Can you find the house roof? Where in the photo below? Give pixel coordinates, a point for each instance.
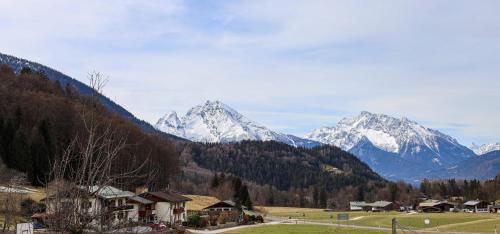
(167, 196)
(141, 200)
(226, 203)
(373, 204)
(379, 204)
(473, 202)
(357, 203)
(428, 203)
(108, 192)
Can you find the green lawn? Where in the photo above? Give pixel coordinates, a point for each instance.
(487, 226)
(300, 229)
(384, 219)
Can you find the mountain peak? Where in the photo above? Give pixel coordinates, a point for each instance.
(214, 121)
(395, 135)
(484, 148)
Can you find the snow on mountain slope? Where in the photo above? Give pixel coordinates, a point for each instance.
(216, 122)
(485, 148)
(402, 136)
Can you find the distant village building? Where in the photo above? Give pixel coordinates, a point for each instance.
(356, 205)
(374, 206)
(435, 206)
(226, 205)
(495, 208)
(476, 206)
(168, 206)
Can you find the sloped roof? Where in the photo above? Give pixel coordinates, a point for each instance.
(108, 192)
(373, 204)
(473, 202)
(226, 203)
(169, 196)
(428, 203)
(379, 204)
(357, 203)
(140, 200)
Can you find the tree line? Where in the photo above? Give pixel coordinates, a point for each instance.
(39, 118)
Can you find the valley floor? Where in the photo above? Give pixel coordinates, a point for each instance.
(439, 222)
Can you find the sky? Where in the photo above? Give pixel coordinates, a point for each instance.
(291, 65)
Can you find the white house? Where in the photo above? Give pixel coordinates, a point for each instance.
(105, 204)
(169, 206)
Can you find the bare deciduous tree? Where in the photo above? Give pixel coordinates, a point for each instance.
(87, 167)
(11, 197)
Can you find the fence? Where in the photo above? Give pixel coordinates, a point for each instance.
(401, 228)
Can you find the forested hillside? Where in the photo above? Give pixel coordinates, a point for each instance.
(284, 166)
(280, 174)
(39, 118)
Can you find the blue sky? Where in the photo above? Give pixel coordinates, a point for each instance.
(291, 65)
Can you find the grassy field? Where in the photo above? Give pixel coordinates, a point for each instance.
(300, 229)
(443, 221)
(478, 226)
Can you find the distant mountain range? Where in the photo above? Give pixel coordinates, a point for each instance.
(485, 148)
(483, 167)
(415, 149)
(396, 148)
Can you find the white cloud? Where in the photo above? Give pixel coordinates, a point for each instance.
(293, 65)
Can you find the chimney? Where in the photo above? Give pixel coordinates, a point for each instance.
(141, 190)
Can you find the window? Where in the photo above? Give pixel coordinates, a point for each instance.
(120, 202)
(86, 204)
(121, 215)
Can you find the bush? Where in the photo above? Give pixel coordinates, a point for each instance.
(193, 220)
(29, 207)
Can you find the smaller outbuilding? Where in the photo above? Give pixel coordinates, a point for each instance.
(379, 206)
(373, 206)
(476, 206)
(357, 205)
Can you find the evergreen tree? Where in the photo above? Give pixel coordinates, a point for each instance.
(315, 196)
(26, 70)
(302, 200)
(245, 197)
(270, 196)
(215, 181)
(394, 192)
(322, 197)
(360, 195)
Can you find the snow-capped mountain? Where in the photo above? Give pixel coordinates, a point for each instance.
(370, 135)
(485, 148)
(216, 122)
